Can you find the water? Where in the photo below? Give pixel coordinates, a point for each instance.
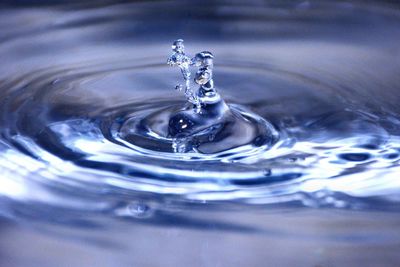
(92, 177)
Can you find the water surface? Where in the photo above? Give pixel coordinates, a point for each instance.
(324, 192)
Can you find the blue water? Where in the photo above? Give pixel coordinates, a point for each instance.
(306, 176)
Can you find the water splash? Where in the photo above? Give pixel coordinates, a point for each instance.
(286, 127)
(206, 94)
(179, 58)
(197, 125)
(87, 155)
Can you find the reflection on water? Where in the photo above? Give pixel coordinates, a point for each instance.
(86, 182)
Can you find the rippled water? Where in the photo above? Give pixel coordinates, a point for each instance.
(88, 183)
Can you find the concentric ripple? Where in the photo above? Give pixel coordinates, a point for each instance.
(319, 116)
